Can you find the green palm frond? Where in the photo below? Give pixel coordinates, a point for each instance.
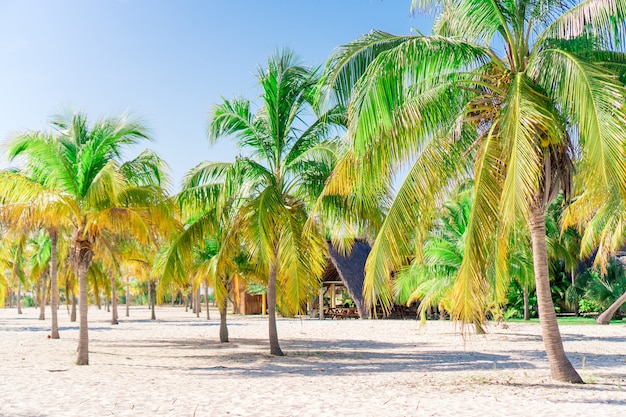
(592, 99)
(349, 63)
(602, 18)
(527, 122)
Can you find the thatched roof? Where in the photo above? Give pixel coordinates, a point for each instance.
(350, 269)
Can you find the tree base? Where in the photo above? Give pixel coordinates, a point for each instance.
(276, 351)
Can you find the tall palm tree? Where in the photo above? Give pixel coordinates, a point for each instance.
(511, 93)
(78, 167)
(266, 192)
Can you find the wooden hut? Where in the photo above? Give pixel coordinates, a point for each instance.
(345, 271)
(245, 303)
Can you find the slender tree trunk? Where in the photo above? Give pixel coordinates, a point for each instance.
(84, 261)
(605, 318)
(560, 366)
(526, 306)
(271, 308)
(54, 292)
(197, 303)
(42, 297)
(114, 300)
(128, 296)
(73, 312)
(152, 299)
(149, 295)
(19, 297)
(223, 328)
(206, 299)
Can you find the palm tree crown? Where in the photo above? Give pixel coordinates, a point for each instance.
(261, 200)
(75, 173)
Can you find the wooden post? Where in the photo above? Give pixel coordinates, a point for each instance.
(264, 304)
(321, 303)
(332, 296)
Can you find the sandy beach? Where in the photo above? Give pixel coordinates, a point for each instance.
(175, 366)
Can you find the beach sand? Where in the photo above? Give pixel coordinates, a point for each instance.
(175, 366)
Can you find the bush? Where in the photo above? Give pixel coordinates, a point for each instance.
(588, 306)
(28, 301)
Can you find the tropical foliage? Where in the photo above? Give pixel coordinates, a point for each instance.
(261, 199)
(513, 94)
(75, 172)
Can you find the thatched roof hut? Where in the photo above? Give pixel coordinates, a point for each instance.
(350, 270)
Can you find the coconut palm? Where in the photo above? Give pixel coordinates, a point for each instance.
(603, 222)
(38, 248)
(265, 193)
(431, 278)
(510, 93)
(205, 249)
(12, 258)
(78, 168)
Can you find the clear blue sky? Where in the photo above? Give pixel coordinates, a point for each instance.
(165, 62)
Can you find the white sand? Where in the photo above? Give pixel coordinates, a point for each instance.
(176, 367)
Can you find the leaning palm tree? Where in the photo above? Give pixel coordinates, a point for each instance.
(510, 93)
(287, 159)
(77, 168)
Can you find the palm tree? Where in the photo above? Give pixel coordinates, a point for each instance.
(603, 221)
(77, 167)
(39, 248)
(510, 93)
(430, 278)
(204, 250)
(265, 194)
(12, 259)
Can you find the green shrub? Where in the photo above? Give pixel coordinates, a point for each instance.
(28, 301)
(588, 306)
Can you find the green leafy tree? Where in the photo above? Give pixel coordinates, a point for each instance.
(511, 93)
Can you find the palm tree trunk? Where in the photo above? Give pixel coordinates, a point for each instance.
(54, 292)
(152, 287)
(128, 297)
(223, 327)
(114, 300)
(42, 298)
(561, 368)
(206, 299)
(73, 312)
(149, 295)
(19, 297)
(605, 318)
(526, 306)
(84, 261)
(197, 303)
(271, 308)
